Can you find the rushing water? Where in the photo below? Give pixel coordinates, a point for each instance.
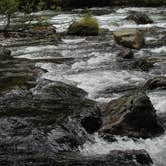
(95, 70)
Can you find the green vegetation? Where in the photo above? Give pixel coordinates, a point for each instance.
(8, 8)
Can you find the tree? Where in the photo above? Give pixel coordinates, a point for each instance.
(27, 9)
(8, 8)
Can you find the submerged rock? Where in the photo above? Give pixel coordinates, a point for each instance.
(140, 18)
(5, 53)
(131, 38)
(133, 116)
(126, 53)
(143, 64)
(155, 83)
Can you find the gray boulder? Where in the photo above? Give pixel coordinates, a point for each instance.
(131, 38)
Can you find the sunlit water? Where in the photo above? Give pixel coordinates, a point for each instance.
(95, 69)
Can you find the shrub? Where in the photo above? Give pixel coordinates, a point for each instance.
(8, 8)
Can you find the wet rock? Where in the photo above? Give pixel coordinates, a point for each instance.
(91, 124)
(107, 137)
(31, 34)
(43, 31)
(143, 64)
(132, 115)
(114, 158)
(5, 53)
(84, 27)
(126, 53)
(120, 89)
(50, 89)
(156, 83)
(16, 80)
(140, 18)
(18, 73)
(49, 119)
(162, 118)
(131, 38)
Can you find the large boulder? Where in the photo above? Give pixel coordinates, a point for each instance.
(155, 83)
(5, 53)
(131, 38)
(84, 27)
(140, 18)
(53, 117)
(132, 115)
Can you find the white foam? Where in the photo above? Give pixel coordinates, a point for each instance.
(96, 81)
(159, 50)
(150, 38)
(155, 147)
(62, 21)
(74, 41)
(96, 61)
(33, 49)
(159, 100)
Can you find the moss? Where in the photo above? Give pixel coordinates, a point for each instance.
(87, 26)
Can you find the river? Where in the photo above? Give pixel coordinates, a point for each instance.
(95, 68)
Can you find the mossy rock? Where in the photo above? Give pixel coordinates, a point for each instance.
(84, 27)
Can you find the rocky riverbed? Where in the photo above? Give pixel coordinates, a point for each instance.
(84, 100)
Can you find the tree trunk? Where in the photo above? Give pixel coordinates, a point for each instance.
(8, 22)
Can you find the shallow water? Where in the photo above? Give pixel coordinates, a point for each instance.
(95, 69)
